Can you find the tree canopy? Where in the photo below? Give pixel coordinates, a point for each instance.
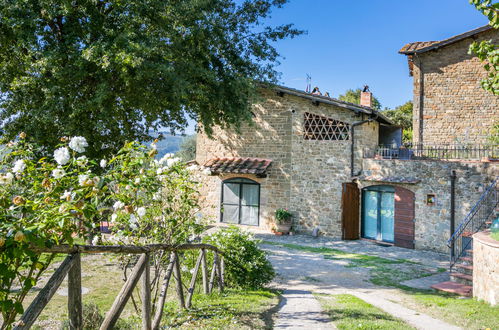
(353, 96)
(113, 70)
(486, 51)
(402, 116)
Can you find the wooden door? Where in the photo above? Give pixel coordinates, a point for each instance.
(404, 218)
(350, 211)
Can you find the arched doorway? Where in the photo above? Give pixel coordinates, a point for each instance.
(378, 210)
(240, 202)
(388, 215)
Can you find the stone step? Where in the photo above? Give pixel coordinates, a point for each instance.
(461, 278)
(468, 260)
(453, 287)
(464, 269)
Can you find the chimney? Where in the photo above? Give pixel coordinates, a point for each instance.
(366, 97)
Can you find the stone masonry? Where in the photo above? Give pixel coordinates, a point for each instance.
(305, 176)
(455, 107)
(432, 223)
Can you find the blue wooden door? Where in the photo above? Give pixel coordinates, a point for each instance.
(378, 209)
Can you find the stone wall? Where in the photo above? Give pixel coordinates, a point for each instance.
(432, 226)
(455, 108)
(269, 137)
(305, 176)
(486, 268)
(320, 167)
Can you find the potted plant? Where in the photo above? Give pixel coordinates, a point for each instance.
(283, 220)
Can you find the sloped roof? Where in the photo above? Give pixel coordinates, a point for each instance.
(332, 101)
(424, 46)
(240, 165)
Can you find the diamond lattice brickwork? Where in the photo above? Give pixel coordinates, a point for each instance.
(317, 127)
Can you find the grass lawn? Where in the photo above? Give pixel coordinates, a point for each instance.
(466, 313)
(233, 309)
(349, 312)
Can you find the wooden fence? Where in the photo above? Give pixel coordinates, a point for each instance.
(71, 267)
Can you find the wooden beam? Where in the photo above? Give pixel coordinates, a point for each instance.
(125, 293)
(162, 296)
(146, 295)
(219, 272)
(212, 276)
(75, 309)
(121, 248)
(31, 314)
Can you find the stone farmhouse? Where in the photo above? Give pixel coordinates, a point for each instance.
(340, 167)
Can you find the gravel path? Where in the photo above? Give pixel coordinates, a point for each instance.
(301, 272)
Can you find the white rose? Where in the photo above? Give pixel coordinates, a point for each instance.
(7, 178)
(133, 219)
(137, 181)
(58, 173)
(95, 240)
(114, 216)
(118, 205)
(62, 156)
(82, 161)
(165, 158)
(19, 166)
(82, 179)
(172, 161)
(141, 212)
(78, 143)
(103, 163)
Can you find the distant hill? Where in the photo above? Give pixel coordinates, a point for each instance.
(170, 144)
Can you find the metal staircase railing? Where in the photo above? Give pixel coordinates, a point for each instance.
(482, 211)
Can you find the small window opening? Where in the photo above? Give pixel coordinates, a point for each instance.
(317, 127)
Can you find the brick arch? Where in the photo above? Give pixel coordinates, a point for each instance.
(404, 217)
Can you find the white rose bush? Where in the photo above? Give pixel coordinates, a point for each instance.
(52, 197)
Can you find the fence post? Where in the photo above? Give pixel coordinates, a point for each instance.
(75, 309)
(162, 296)
(219, 272)
(125, 293)
(146, 294)
(205, 272)
(193, 281)
(31, 314)
(178, 280)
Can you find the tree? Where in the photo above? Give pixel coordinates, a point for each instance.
(187, 150)
(486, 51)
(113, 71)
(353, 96)
(402, 116)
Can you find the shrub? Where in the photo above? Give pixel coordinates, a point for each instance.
(246, 265)
(92, 318)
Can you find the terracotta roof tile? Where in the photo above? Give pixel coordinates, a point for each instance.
(413, 46)
(238, 165)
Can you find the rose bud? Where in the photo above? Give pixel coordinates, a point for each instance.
(46, 183)
(18, 200)
(22, 135)
(129, 209)
(2, 241)
(19, 236)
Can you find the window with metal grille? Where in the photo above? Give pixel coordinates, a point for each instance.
(317, 127)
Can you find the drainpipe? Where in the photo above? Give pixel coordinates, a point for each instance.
(421, 99)
(452, 208)
(352, 145)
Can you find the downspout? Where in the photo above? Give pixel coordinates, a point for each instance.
(421, 99)
(352, 145)
(452, 208)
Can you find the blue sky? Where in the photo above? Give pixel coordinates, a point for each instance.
(352, 43)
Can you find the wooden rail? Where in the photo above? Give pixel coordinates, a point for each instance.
(71, 267)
